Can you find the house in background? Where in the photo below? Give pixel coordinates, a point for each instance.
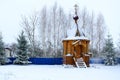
(11, 50)
(8, 52)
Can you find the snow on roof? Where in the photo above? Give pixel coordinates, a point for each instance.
(72, 31)
(69, 54)
(76, 38)
(71, 34)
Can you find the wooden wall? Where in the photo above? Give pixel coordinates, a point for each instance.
(77, 48)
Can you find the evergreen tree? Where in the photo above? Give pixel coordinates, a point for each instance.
(2, 54)
(109, 51)
(22, 56)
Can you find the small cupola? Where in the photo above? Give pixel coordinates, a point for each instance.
(76, 19)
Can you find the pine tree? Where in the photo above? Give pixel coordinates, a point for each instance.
(22, 56)
(2, 54)
(109, 51)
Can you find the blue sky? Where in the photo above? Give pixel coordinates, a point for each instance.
(12, 10)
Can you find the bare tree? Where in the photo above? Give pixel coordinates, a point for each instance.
(100, 33)
(29, 25)
(84, 20)
(62, 27)
(54, 10)
(91, 31)
(42, 27)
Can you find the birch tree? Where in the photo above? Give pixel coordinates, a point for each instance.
(54, 11)
(42, 27)
(100, 33)
(29, 25)
(84, 20)
(92, 33)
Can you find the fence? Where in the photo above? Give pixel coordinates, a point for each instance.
(42, 61)
(96, 61)
(47, 61)
(58, 61)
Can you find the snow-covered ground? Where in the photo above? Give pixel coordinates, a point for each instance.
(59, 72)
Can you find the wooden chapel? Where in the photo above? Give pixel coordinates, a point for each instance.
(75, 48)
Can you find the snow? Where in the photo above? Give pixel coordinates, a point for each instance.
(71, 34)
(76, 38)
(59, 72)
(72, 31)
(69, 54)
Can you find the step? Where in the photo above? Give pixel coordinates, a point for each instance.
(80, 63)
